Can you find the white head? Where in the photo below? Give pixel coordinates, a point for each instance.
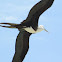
(42, 27)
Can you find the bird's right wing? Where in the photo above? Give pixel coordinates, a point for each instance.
(22, 46)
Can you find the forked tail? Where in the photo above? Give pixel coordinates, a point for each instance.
(11, 25)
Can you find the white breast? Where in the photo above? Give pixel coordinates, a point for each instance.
(31, 30)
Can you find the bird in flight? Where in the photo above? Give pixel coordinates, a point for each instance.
(27, 27)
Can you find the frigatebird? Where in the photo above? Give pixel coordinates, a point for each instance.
(28, 27)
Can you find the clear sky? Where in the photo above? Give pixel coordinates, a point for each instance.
(44, 47)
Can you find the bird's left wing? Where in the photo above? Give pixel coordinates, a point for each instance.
(39, 8)
(22, 46)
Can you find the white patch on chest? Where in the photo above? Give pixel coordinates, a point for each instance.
(31, 30)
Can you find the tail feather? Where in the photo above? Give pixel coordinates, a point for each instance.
(7, 26)
(12, 25)
(9, 23)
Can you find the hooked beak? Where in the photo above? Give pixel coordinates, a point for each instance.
(45, 30)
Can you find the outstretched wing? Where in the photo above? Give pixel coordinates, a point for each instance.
(39, 8)
(36, 11)
(22, 46)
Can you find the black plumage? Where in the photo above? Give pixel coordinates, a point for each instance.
(22, 41)
(21, 46)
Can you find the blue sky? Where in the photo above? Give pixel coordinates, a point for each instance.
(44, 47)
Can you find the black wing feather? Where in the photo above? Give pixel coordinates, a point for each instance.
(39, 8)
(22, 46)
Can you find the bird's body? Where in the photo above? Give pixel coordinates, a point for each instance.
(31, 30)
(27, 27)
